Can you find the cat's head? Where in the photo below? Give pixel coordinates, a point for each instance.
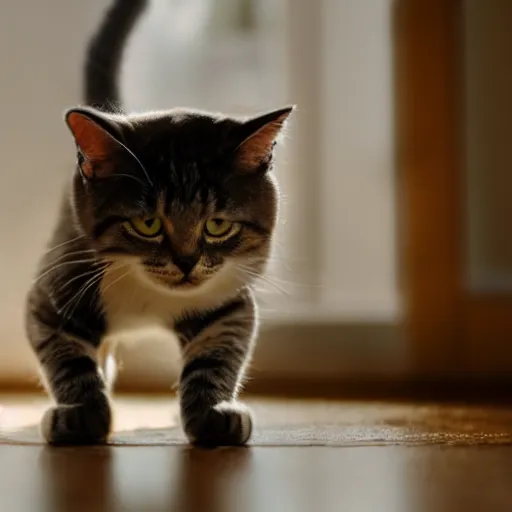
(182, 196)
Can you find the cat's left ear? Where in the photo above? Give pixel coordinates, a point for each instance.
(260, 135)
(99, 150)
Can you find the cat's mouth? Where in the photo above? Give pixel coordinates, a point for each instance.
(162, 275)
(173, 280)
(186, 282)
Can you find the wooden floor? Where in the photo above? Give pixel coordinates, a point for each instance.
(307, 456)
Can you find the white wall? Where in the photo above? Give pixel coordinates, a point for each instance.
(358, 210)
(41, 54)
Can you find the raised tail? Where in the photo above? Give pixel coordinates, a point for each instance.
(105, 53)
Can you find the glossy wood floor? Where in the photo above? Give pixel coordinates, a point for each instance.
(380, 461)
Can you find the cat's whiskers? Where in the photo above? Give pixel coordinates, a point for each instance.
(117, 279)
(77, 298)
(261, 289)
(83, 274)
(99, 273)
(80, 293)
(66, 255)
(256, 276)
(72, 253)
(58, 246)
(91, 261)
(255, 261)
(285, 282)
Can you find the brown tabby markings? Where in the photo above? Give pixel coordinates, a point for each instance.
(101, 279)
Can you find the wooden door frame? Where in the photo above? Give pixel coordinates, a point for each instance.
(452, 331)
(428, 37)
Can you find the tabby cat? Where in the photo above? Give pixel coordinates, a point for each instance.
(167, 221)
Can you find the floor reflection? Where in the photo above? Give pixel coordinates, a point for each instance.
(261, 479)
(76, 479)
(142, 479)
(212, 480)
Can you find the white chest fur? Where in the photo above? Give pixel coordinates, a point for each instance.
(132, 301)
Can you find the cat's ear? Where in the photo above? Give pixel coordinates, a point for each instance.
(98, 149)
(260, 134)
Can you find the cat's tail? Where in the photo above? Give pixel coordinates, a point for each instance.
(105, 53)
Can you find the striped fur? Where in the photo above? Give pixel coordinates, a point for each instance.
(99, 281)
(217, 347)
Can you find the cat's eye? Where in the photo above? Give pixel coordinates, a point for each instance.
(149, 227)
(220, 228)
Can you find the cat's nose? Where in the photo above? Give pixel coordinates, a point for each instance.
(185, 262)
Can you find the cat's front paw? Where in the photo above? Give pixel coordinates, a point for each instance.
(76, 424)
(226, 424)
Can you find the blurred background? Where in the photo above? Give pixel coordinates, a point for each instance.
(393, 260)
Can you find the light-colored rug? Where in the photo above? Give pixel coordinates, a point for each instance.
(153, 421)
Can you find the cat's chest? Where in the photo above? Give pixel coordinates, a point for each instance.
(132, 302)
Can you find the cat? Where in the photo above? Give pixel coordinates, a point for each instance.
(166, 221)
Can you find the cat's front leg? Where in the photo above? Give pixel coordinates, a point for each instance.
(217, 348)
(82, 412)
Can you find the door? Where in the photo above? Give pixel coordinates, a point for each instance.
(455, 182)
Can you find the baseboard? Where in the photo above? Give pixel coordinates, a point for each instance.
(291, 350)
(307, 359)
(403, 389)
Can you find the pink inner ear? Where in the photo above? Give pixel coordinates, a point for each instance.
(95, 143)
(257, 148)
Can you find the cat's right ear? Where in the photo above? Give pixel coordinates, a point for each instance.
(98, 150)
